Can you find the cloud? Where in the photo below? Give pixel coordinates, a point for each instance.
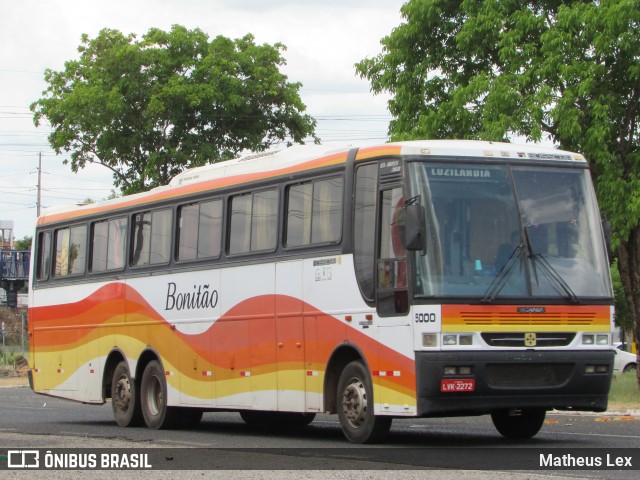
(324, 40)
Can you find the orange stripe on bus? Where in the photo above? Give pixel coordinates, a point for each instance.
(242, 340)
(505, 315)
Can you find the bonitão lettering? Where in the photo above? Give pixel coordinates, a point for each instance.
(200, 297)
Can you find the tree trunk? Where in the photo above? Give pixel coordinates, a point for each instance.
(629, 265)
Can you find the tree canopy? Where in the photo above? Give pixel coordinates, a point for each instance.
(565, 71)
(148, 108)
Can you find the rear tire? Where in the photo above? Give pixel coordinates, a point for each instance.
(518, 423)
(125, 403)
(355, 406)
(153, 398)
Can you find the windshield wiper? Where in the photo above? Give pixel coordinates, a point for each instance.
(555, 279)
(503, 275)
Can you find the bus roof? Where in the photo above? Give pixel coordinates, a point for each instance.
(299, 158)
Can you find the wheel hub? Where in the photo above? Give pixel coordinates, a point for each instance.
(122, 396)
(354, 403)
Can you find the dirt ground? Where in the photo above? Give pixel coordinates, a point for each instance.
(14, 381)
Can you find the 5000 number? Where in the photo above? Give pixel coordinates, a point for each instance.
(426, 317)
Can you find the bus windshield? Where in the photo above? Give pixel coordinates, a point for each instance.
(500, 231)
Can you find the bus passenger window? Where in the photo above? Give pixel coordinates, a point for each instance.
(299, 215)
(314, 212)
(199, 230)
(108, 239)
(253, 224)
(71, 248)
(240, 225)
(327, 211)
(151, 242)
(264, 221)
(44, 256)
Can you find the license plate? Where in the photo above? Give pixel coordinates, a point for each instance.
(458, 385)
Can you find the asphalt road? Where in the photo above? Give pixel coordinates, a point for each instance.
(30, 420)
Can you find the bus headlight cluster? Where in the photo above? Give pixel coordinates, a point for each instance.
(457, 339)
(595, 339)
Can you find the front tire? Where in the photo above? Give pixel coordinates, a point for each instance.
(518, 423)
(355, 406)
(125, 403)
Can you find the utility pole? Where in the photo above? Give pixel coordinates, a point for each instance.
(39, 183)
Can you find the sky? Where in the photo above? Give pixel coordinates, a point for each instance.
(324, 39)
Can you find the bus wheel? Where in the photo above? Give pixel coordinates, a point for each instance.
(518, 423)
(124, 397)
(355, 406)
(153, 398)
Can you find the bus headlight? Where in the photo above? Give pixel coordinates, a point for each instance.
(449, 340)
(588, 339)
(429, 340)
(464, 339)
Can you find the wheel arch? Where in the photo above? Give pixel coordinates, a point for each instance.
(147, 356)
(115, 357)
(339, 359)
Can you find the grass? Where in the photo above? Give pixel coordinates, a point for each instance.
(624, 391)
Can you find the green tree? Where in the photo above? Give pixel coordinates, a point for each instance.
(148, 108)
(565, 71)
(24, 244)
(623, 314)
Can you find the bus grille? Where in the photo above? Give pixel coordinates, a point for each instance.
(521, 339)
(510, 318)
(518, 376)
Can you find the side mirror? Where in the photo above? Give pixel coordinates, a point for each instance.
(415, 230)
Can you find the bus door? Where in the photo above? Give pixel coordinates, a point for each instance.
(392, 297)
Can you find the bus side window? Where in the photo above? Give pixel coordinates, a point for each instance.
(151, 239)
(199, 230)
(314, 212)
(44, 256)
(253, 222)
(364, 228)
(71, 250)
(108, 240)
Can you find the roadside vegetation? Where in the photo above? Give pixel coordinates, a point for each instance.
(624, 391)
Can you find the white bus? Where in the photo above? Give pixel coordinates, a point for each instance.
(413, 279)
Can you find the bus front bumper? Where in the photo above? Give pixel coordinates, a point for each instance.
(473, 383)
